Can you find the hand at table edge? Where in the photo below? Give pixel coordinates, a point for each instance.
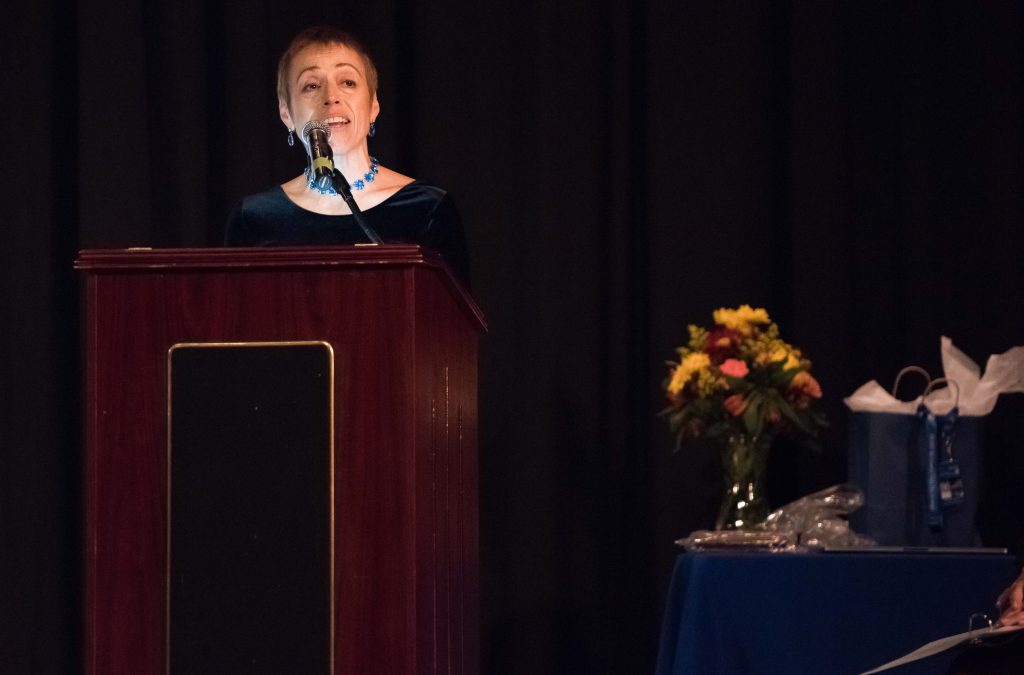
(1011, 604)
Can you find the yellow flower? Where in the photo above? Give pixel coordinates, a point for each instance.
(684, 371)
(791, 358)
(741, 319)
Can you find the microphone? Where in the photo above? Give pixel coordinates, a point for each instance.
(316, 135)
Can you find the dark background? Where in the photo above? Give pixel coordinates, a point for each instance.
(623, 169)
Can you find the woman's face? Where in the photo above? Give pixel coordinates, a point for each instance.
(328, 83)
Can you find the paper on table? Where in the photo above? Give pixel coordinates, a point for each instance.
(944, 644)
(1004, 374)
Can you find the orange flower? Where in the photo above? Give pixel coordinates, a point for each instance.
(734, 368)
(735, 405)
(804, 383)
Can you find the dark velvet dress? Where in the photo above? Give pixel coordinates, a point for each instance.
(417, 214)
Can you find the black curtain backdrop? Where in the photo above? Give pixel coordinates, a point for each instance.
(623, 169)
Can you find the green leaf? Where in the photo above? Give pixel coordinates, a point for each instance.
(787, 411)
(753, 417)
(739, 385)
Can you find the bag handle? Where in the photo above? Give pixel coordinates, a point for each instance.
(949, 383)
(912, 369)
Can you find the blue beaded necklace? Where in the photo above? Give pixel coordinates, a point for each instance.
(359, 184)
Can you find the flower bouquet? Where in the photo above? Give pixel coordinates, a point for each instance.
(740, 385)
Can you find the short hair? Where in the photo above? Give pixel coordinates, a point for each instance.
(322, 35)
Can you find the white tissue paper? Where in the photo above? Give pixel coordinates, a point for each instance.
(1004, 374)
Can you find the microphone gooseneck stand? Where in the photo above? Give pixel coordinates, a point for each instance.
(341, 187)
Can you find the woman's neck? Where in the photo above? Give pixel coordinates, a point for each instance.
(353, 164)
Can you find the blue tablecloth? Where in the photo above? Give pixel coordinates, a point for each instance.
(827, 613)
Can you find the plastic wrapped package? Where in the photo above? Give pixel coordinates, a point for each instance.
(814, 521)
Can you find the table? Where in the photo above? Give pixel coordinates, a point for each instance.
(751, 613)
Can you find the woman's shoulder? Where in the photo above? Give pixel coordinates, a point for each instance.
(391, 188)
(417, 193)
(271, 199)
(427, 190)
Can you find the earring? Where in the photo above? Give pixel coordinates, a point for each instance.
(373, 130)
(291, 137)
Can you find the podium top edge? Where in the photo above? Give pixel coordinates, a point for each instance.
(143, 259)
(255, 256)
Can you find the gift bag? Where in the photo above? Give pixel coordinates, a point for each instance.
(920, 471)
(919, 460)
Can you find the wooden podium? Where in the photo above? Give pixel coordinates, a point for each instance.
(280, 462)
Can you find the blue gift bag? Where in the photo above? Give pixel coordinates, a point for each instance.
(894, 459)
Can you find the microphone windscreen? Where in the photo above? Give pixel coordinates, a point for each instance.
(319, 125)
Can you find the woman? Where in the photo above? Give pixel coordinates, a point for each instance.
(326, 75)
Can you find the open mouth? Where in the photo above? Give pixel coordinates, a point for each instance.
(337, 122)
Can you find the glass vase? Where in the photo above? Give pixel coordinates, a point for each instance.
(744, 460)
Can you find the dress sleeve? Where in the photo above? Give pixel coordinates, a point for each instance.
(238, 232)
(445, 235)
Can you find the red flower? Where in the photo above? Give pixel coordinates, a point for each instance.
(723, 343)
